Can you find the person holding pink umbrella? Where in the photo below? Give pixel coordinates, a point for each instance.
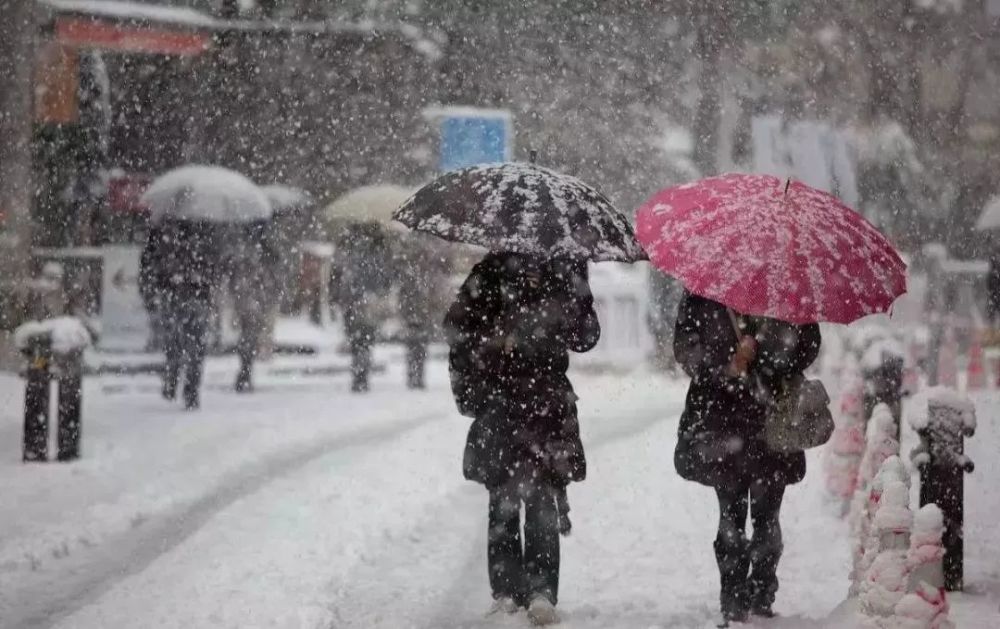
(762, 261)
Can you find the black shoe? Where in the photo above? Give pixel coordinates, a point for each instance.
(734, 615)
(762, 611)
(169, 392)
(359, 386)
(243, 384)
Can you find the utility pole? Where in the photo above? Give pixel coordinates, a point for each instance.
(18, 29)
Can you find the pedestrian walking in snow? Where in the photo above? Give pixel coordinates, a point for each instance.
(721, 444)
(252, 267)
(180, 264)
(422, 268)
(362, 275)
(191, 208)
(787, 256)
(510, 331)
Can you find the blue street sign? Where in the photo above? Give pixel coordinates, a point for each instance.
(470, 136)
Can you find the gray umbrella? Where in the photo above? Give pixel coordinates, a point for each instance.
(522, 208)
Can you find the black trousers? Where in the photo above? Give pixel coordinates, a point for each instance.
(251, 328)
(185, 323)
(523, 571)
(748, 568)
(416, 359)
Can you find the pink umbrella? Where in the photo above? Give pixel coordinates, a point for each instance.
(763, 246)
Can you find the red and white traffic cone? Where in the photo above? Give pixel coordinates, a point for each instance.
(976, 375)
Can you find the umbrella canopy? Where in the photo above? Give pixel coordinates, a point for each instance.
(990, 218)
(522, 208)
(284, 197)
(368, 203)
(206, 193)
(768, 247)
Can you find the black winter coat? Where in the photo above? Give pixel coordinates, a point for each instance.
(719, 439)
(509, 352)
(182, 261)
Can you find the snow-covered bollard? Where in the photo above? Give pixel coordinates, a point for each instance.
(925, 557)
(847, 444)
(53, 347)
(882, 367)
(924, 608)
(940, 458)
(926, 604)
(885, 580)
(880, 445)
(867, 540)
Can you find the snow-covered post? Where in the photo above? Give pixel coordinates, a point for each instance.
(926, 604)
(924, 608)
(882, 367)
(940, 458)
(70, 379)
(53, 347)
(926, 554)
(866, 505)
(38, 352)
(847, 445)
(885, 579)
(880, 445)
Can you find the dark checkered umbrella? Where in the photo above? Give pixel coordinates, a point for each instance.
(522, 208)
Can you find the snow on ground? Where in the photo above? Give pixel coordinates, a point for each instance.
(302, 506)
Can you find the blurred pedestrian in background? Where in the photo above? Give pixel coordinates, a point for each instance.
(360, 278)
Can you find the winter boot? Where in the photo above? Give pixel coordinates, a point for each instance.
(541, 611)
(733, 558)
(243, 382)
(191, 401)
(503, 605)
(169, 390)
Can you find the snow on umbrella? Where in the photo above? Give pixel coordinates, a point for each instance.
(206, 193)
(522, 208)
(764, 246)
(368, 203)
(284, 198)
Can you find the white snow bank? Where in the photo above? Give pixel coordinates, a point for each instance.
(67, 333)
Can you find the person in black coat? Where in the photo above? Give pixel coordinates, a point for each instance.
(510, 332)
(252, 267)
(361, 277)
(733, 378)
(181, 265)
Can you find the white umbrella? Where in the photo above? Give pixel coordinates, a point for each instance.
(990, 218)
(206, 193)
(368, 203)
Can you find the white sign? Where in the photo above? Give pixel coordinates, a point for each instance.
(124, 322)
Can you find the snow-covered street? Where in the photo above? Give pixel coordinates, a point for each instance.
(305, 506)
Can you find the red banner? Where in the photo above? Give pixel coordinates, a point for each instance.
(88, 33)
